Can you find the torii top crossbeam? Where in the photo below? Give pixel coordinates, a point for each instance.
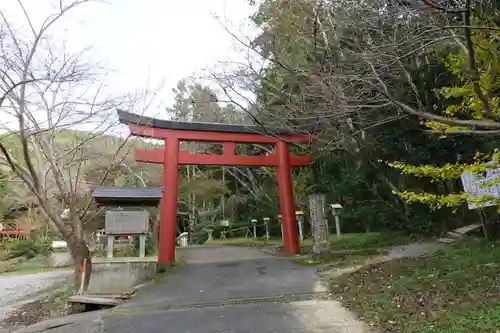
(201, 131)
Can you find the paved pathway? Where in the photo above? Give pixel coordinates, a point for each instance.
(414, 250)
(232, 289)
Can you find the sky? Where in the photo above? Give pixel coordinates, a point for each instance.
(146, 42)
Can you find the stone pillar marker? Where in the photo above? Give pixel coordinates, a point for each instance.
(266, 225)
(111, 243)
(319, 224)
(300, 223)
(142, 246)
(183, 239)
(225, 225)
(254, 225)
(210, 233)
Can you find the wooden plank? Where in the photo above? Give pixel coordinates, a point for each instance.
(90, 299)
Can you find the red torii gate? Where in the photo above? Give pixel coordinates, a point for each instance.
(173, 132)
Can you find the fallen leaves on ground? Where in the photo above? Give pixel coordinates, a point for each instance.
(50, 306)
(456, 290)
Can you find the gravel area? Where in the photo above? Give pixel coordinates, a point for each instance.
(14, 289)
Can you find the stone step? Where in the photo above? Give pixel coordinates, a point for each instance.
(462, 231)
(454, 234)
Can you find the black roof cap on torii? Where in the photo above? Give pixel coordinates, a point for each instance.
(132, 118)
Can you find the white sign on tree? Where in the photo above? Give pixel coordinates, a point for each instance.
(483, 184)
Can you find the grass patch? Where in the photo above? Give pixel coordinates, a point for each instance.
(163, 270)
(364, 241)
(9, 265)
(339, 260)
(32, 270)
(348, 261)
(367, 241)
(242, 241)
(21, 266)
(456, 290)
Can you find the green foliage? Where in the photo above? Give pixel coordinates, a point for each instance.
(150, 246)
(247, 241)
(468, 103)
(27, 248)
(4, 192)
(471, 96)
(448, 172)
(346, 159)
(126, 251)
(370, 240)
(435, 201)
(368, 243)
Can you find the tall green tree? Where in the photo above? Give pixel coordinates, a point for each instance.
(363, 75)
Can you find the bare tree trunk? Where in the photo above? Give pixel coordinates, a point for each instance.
(81, 256)
(45, 105)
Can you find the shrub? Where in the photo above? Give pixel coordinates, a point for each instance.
(128, 251)
(150, 246)
(27, 248)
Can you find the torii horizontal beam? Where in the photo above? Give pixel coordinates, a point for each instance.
(186, 158)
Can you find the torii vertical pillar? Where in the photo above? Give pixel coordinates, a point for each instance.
(287, 204)
(168, 217)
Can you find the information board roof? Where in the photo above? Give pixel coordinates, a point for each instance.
(127, 196)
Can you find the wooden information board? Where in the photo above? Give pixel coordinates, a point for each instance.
(126, 223)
